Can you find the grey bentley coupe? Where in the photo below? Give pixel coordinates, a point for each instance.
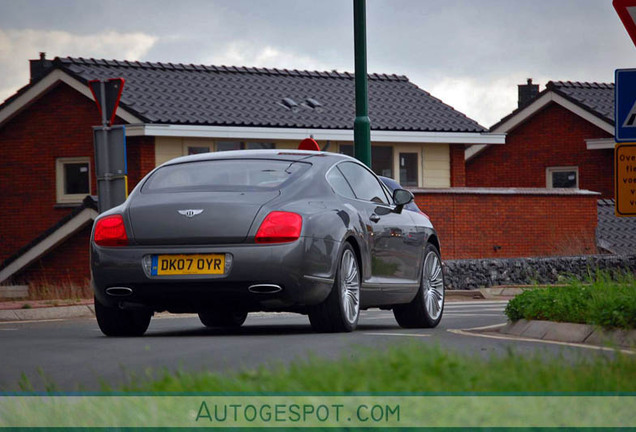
(228, 233)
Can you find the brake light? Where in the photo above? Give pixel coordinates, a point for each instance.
(110, 231)
(279, 227)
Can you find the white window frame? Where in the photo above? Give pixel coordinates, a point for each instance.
(551, 170)
(397, 149)
(64, 198)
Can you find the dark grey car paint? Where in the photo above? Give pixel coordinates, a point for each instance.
(389, 245)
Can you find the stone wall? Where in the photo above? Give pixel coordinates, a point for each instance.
(483, 273)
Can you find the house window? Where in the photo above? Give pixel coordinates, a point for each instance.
(235, 145)
(381, 158)
(228, 145)
(258, 146)
(408, 169)
(197, 150)
(562, 177)
(73, 178)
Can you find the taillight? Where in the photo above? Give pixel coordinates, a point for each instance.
(110, 231)
(280, 227)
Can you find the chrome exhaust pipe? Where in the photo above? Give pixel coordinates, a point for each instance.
(264, 289)
(119, 291)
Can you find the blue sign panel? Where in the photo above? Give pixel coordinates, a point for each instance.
(625, 105)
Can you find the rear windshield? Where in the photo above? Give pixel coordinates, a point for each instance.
(224, 175)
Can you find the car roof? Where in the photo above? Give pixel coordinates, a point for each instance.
(390, 182)
(317, 157)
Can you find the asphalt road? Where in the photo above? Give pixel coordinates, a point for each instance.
(74, 355)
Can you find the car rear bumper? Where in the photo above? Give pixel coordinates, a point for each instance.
(303, 270)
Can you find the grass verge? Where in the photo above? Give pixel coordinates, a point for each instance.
(603, 301)
(411, 368)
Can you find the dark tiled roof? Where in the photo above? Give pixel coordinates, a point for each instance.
(167, 93)
(596, 98)
(615, 234)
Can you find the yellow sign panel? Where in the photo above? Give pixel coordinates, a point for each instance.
(625, 179)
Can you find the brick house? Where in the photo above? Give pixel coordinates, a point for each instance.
(46, 148)
(562, 137)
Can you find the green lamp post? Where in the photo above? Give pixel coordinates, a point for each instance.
(362, 124)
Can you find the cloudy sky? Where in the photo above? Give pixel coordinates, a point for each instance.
(469, 53)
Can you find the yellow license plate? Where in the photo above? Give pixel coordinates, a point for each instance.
(204, 264)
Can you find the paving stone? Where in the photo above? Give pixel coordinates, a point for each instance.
(568, 332)
(536, 329)
(516, 328)
(8, 315)
(53, 313)
(601, 337)
(511, 291)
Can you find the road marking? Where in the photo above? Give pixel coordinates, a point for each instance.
(459, 315)
(475, 302)
(492, 326)
(396, 334)
(467, 332)
(8, 329)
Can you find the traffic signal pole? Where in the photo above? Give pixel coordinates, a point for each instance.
(362, 124)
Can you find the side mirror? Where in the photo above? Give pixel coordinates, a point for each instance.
(401, 197)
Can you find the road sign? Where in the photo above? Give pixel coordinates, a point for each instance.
(625, 179)
(626, 10)
(625, 105)
(107, 94)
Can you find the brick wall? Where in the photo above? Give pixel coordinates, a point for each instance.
(141, 159)
(68, 263)
(457, 166)
(482, 223)
(56, 125)
(552, 137)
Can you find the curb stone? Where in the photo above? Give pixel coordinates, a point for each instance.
(46, 313)
(570, 332)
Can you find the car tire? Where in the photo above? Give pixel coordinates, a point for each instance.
(113, 321)
(340, 311)
(426, 309)
(223, 318)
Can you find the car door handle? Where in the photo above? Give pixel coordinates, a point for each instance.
(374, 217)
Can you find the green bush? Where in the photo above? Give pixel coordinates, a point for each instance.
(602, 301)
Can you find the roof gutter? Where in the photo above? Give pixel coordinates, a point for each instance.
(295, 134)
